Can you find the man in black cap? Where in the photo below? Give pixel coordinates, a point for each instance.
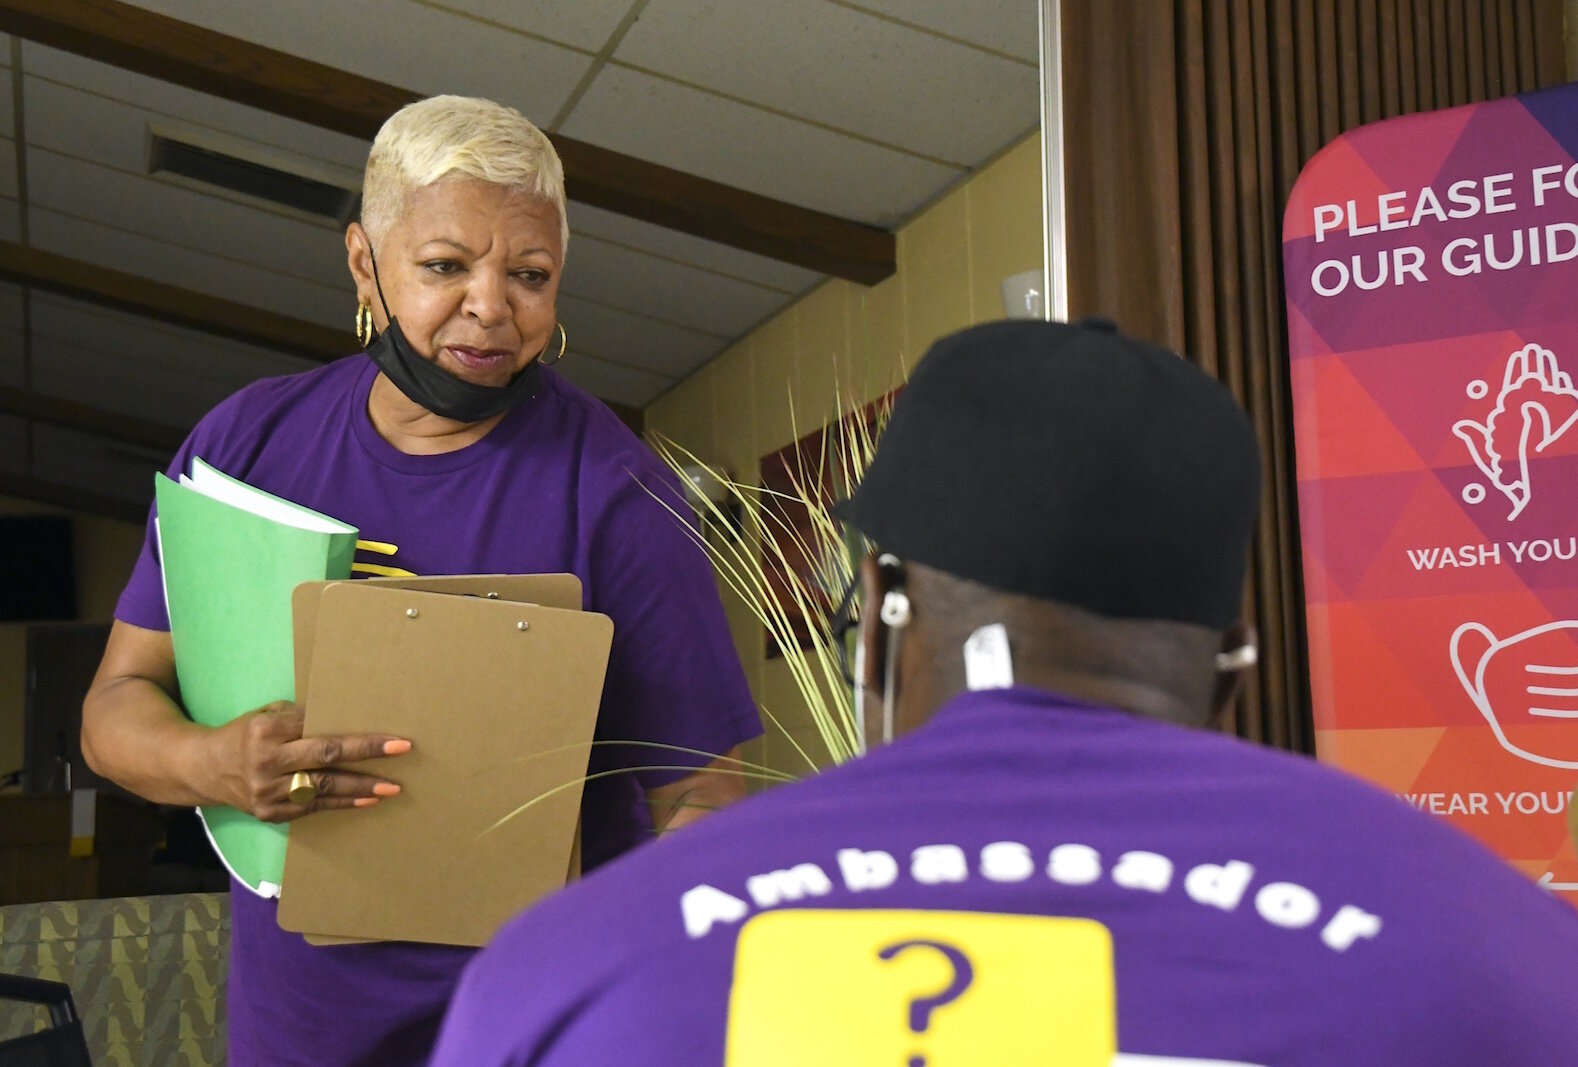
(1055, 862)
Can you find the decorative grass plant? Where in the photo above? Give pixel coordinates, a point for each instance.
(788, 559)
(781, 551)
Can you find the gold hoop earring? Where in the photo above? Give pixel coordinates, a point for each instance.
(364, 324)
(564, 340)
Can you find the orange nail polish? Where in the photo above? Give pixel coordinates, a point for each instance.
(364, 802)
(386, 789)
(396, 748)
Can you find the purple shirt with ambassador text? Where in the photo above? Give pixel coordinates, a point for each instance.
(559, 485)
(1262, 909)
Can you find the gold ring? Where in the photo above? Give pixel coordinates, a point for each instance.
(302, 791)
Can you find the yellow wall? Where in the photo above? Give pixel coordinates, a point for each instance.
(105, 550)
(952, 259)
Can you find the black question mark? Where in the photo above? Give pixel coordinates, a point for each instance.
(921, 1008)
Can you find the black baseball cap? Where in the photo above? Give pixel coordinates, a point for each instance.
(1070, 463)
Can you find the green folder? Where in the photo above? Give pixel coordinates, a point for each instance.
(232, 554)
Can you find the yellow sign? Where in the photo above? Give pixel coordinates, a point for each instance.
(921, 989)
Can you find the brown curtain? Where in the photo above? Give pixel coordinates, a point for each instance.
(1186, 124)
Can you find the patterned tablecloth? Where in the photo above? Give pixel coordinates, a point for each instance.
(147, 974)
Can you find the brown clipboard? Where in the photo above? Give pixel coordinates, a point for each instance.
(500, 700)
(549, 590)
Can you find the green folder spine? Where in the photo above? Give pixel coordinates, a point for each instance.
(228, 577)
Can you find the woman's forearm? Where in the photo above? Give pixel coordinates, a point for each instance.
(134, 734)
(714, 786)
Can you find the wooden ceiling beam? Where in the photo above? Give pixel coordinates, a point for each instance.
(117, 426)
(73, 416)
(170, 303)
(174, 51)
(66, 497)
(146, 433)
(183, 307)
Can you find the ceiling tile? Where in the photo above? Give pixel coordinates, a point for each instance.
(163, 102)
(682, 247)
(636, 341)
(86, 126)
(154, 370)
(95, 464)
(1010, 26)
(225, 278)
(112, 382)
(162, 346)
(744, 146)
(168, 212)
(820, 61)
(7, 168)
(10, 309)
(13, 444)
(610, 381)
(672, 292)
(12, 374)
(7, 89)
(583, 23)
(411, 45)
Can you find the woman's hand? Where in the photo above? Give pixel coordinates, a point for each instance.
(256, 755)
(133, 733)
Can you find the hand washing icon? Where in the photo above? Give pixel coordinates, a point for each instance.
(1536, 406)
(1526, 686)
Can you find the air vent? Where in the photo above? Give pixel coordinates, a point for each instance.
(253, 179)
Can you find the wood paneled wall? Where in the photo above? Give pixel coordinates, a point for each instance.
(1187, 124)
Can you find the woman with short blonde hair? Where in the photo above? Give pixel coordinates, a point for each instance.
(453, 449)
(452, 137)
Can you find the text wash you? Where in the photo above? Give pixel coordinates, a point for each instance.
(1539, 551)
(1556, 242)
(1223, 886)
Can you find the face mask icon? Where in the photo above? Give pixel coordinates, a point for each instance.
(1526, 686)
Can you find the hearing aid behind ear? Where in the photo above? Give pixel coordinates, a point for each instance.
(1240, 658)
(895, 610)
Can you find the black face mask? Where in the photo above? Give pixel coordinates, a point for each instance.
(424, 382)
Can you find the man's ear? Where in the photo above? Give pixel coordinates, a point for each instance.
(873, 630)
(1238, 654)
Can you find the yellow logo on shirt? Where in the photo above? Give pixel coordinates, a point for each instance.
(921, 989)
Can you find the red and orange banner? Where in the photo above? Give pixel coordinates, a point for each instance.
(1432, 285)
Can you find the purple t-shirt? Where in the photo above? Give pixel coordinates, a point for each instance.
(1027, 879)
(558, 485)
